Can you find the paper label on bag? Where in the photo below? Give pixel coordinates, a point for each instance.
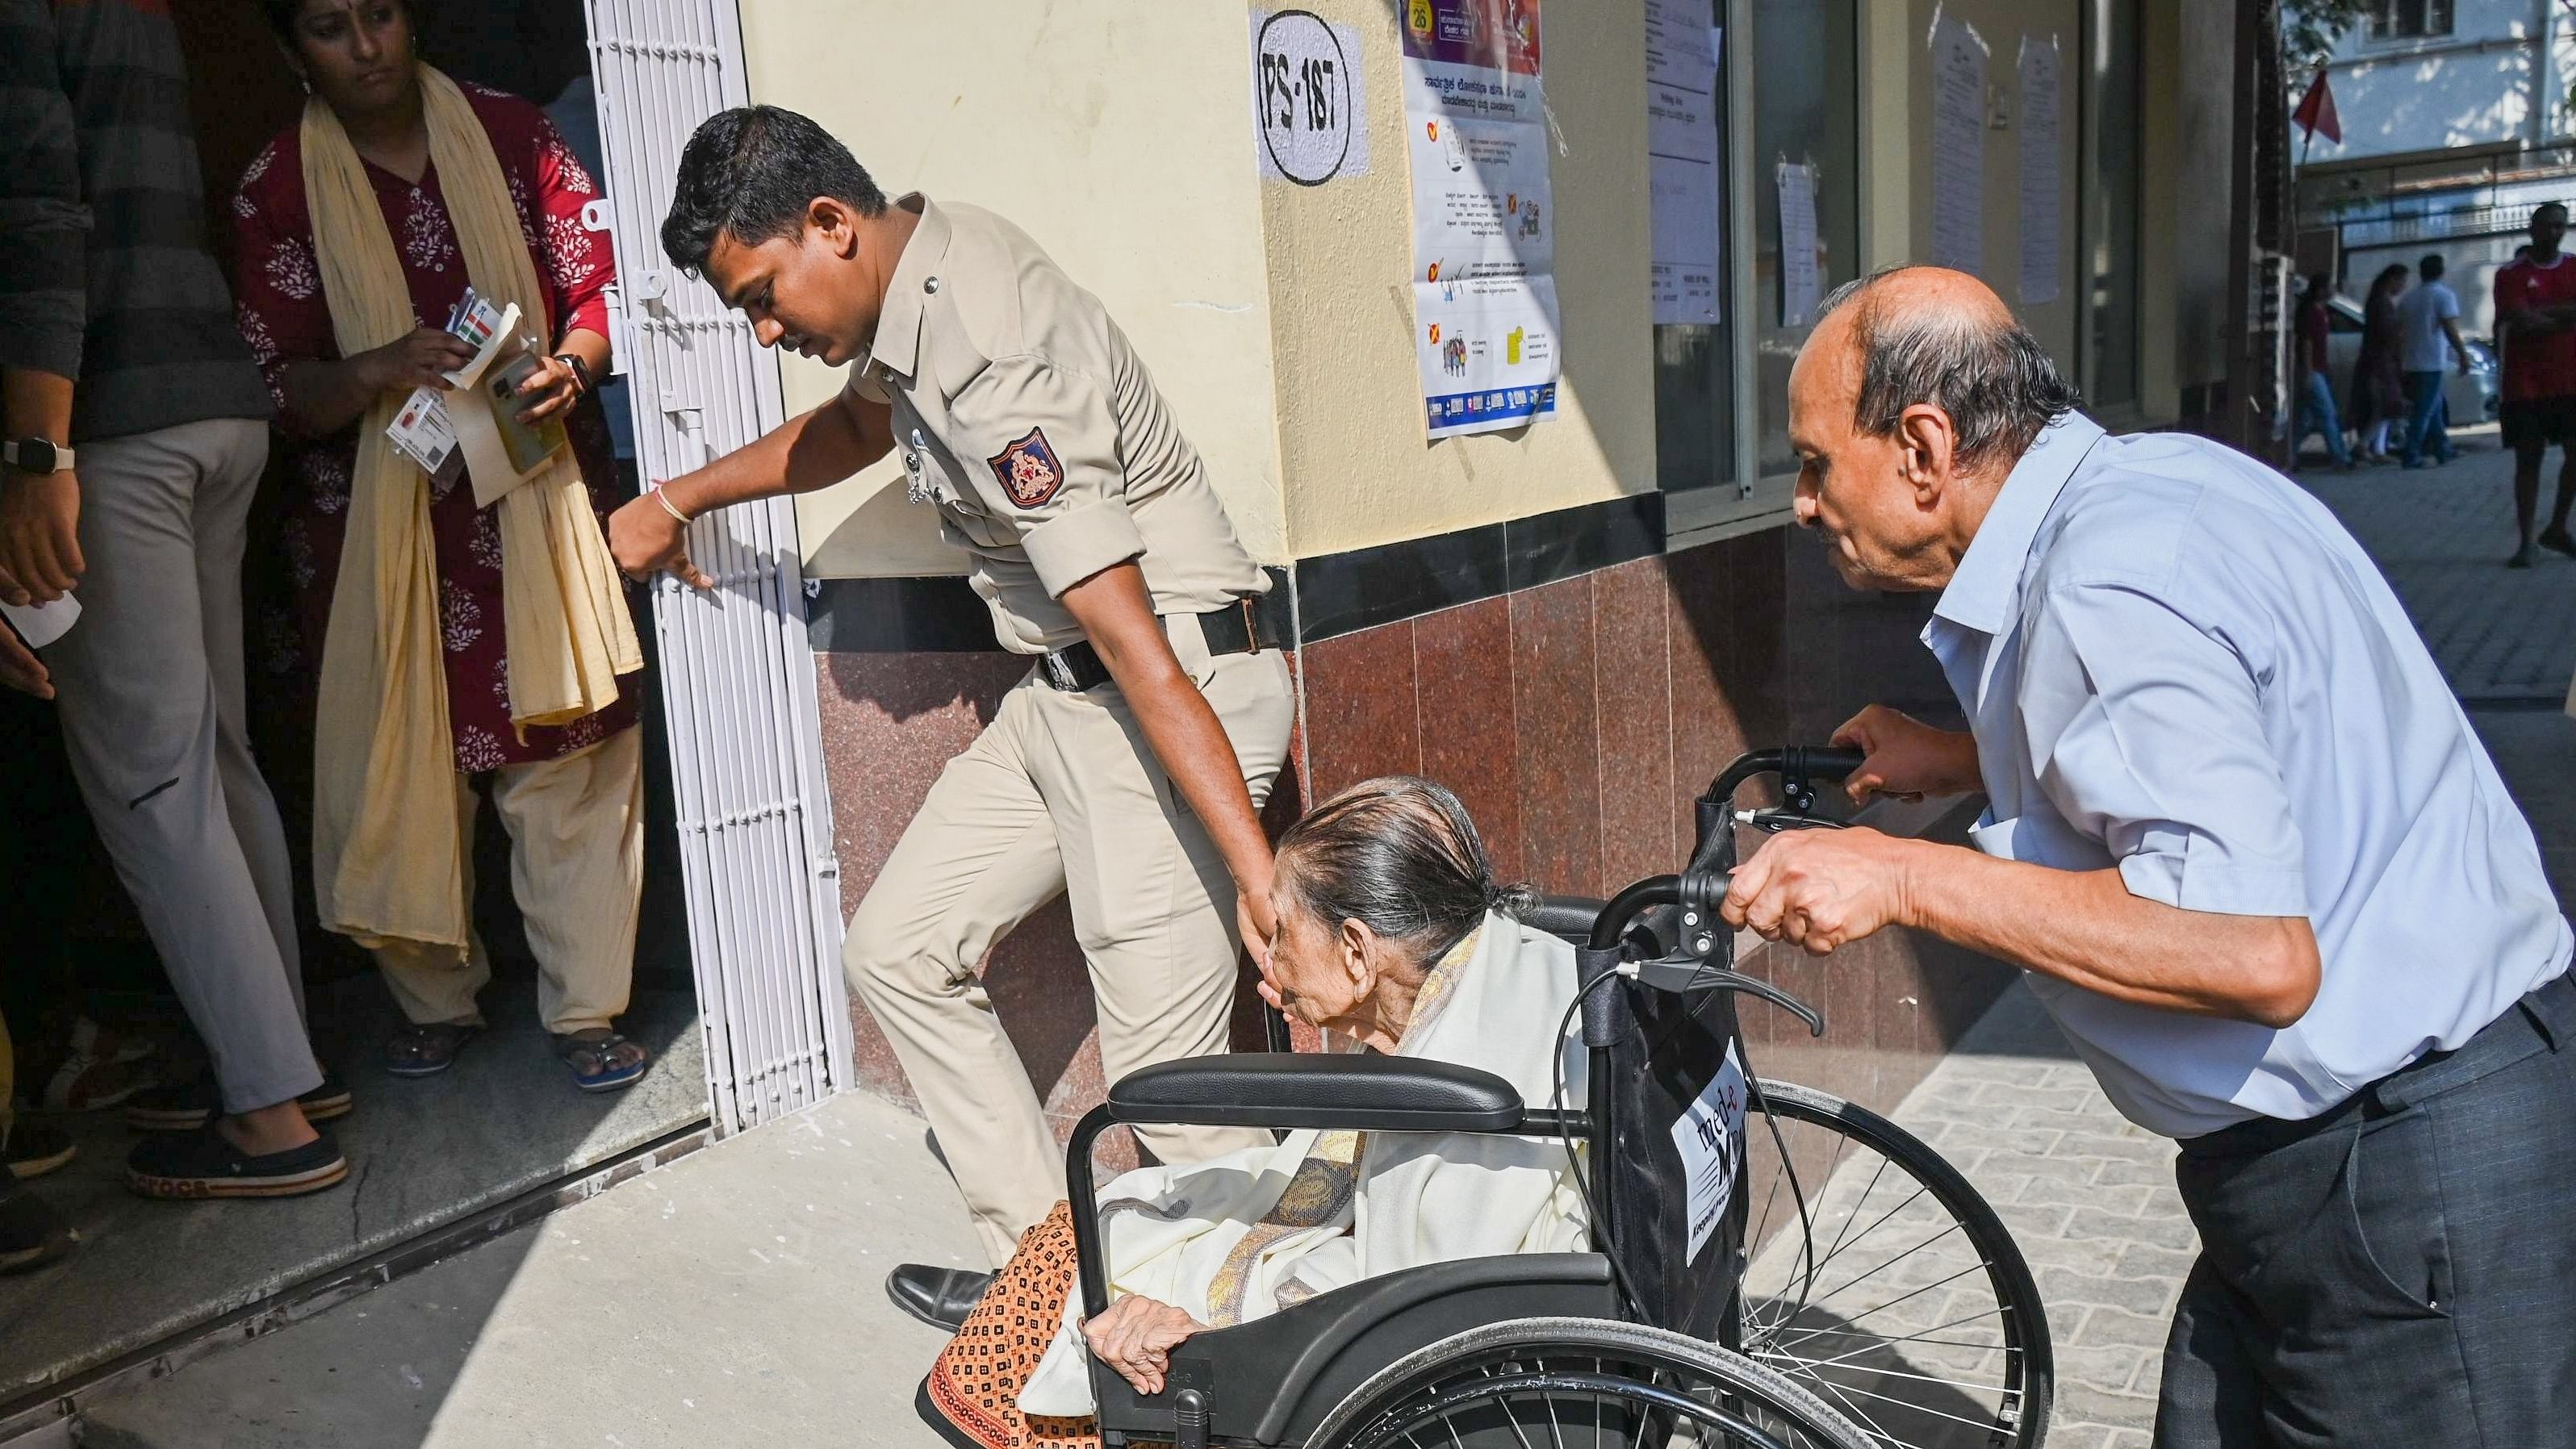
(1711, 1138)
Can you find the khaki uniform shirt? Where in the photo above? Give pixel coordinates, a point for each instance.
(1021, 410)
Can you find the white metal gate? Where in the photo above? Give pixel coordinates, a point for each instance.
(737, 676)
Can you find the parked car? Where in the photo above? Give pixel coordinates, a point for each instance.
(2474, 397)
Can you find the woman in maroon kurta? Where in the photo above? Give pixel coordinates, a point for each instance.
(287, 319)
(283, 314)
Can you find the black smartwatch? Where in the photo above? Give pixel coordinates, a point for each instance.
(39, 456)
(580, 371)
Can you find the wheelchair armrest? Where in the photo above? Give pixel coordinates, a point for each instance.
(1305, 1089)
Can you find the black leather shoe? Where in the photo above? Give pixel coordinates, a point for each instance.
(940, 1297)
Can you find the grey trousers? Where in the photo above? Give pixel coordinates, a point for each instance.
(2401, 1272)
(150, 681)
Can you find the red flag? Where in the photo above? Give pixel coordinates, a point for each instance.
(2316, 112)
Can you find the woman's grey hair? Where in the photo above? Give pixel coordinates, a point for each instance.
(1999, 386)
(1399, 855)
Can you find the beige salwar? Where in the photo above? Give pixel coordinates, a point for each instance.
(576, 828)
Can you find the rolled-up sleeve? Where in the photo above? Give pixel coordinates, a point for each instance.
(1040, 446)
(2148, 736)
(43, 225)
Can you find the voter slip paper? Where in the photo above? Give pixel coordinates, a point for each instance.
(476, 426)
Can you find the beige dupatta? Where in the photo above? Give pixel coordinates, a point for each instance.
(388, 851)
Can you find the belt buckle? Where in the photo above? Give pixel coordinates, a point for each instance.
(1059, 672)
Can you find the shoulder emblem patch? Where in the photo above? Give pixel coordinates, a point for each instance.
(1027, 470)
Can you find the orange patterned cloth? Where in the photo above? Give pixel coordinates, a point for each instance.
(976, 1382)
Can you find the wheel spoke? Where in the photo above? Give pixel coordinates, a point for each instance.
(1892, 1302)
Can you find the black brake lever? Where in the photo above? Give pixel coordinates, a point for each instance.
(1682, 976)
(1773, 821)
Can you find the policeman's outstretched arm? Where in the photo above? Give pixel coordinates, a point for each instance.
(1117, 615)
(816, 450)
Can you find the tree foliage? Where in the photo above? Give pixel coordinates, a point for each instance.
(2310, 30)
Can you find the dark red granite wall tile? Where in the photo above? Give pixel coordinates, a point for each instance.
(1470, 734)
(890, 722)
(1559, 726)
(1633, 667)
(1361, 718)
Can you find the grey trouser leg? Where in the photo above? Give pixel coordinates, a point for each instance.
(150, 681)
(2401, 1277)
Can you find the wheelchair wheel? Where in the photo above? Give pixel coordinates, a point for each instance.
(1904, 1304)
(1579, 1383)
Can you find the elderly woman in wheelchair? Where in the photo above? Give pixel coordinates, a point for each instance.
(1488, 1229)
(1393, 935)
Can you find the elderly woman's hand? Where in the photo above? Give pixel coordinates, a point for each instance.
(1136, 1337)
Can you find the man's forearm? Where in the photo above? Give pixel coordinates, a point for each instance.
(814, 451)
(2086, 928)
(35, 404)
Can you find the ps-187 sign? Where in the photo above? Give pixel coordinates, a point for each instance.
(1309, 114)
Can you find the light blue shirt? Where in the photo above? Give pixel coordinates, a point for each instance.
(2178, 664)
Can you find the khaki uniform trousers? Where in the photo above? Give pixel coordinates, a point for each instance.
(576, 869)
(1061, 794)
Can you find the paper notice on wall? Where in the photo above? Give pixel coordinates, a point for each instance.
(2040, 119)
(1484, 222)
(1683, 171)
(1958, 144)
(1710, 1138)
(1802, 266)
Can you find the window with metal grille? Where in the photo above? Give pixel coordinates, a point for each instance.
(2410, 19)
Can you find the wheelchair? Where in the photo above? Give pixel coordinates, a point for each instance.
(1835, 1286)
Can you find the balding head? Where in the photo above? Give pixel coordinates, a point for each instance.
(1911, 400)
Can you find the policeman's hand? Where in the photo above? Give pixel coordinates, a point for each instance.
(645, 540)
(40, 555)
(1136, 1337)
(420, 359)
(1906, 757)
(1820, 889)
(1258, 923)
(20, 669)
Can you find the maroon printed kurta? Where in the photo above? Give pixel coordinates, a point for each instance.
(284, 316)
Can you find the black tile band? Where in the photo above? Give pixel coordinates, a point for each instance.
(1338, 593)
(1342, 593)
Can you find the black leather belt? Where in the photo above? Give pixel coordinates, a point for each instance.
(1239, 628)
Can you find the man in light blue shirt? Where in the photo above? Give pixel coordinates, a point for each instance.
(2258, 866)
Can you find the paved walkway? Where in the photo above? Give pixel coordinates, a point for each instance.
(2503, 636)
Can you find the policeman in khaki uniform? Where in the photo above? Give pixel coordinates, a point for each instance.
(1126, 770)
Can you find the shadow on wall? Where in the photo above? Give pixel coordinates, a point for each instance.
(2425, 102)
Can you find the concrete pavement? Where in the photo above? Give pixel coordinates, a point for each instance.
(731, 1298)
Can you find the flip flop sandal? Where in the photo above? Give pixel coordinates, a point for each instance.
(572, 1049)
(438, 1044)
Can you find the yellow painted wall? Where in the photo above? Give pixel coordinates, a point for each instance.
(1118, 134)
(1357, 466)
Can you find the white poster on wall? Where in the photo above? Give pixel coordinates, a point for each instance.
(2040, 201)
(1484, 223)
(1684, 173)
(1958, 144)
(1309, 107)
(1802, 264)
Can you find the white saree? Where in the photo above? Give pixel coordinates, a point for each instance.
(1243, 1235)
